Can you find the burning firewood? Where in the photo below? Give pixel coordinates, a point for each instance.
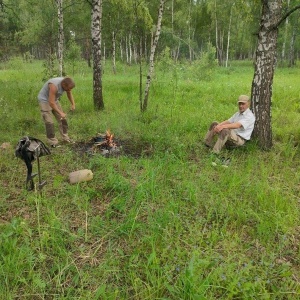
(105, 143)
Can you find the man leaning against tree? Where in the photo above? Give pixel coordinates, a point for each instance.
(234, 131)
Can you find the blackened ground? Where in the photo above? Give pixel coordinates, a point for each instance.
(127, 147)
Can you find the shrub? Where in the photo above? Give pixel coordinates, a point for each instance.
(204, 67)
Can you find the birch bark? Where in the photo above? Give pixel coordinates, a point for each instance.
(60, 45)
(114, 52)
(96, 45)
(144, 103)
(261, 92)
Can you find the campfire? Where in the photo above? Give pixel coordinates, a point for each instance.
(104, 144)
(107, 145)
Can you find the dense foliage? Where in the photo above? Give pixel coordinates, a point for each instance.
(31, 27)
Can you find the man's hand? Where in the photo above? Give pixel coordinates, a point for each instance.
(227, 125)
(218, 128)
(63, 115)
(71, 99)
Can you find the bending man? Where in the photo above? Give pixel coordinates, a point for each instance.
(48, 98)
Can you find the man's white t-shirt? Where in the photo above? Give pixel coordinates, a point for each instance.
(247, 119)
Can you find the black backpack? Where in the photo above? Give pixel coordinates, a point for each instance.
(30, 149)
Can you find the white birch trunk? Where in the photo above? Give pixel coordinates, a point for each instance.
(292, 48)
(96, 41)
(285, 34)
(127, 50)
(114, 51)
(121, 49)
(228, 38)
(261, 92)
(60, 45)
(152, 53)
(189, 30)
(217, 39)
(103, 56)
(135, 53)
(130, 49)
(145, 47)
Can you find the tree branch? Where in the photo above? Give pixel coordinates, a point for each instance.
(286, 16)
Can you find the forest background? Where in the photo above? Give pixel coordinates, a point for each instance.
(31, 28)
(158, 221)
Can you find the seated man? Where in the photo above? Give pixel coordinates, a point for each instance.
(235, 131)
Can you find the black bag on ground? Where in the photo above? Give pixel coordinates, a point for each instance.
(28, 149)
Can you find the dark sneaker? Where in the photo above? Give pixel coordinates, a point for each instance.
(225, 161)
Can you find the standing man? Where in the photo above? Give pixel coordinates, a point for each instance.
(235, 131)
(48, 98)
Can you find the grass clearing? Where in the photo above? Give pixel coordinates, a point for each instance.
(161, 223)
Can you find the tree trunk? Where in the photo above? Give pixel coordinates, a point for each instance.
(145, 47)
(292, 58)
(285, 35)
(130, 49)
(152, 53)
(228, 38)
(127, 50)
(114, 52)
(121, 49)
(96, 41)
(141, 75)
(60, 45)
(189, 30)
(88, 52)
(174, 50)
(261, 92)
(218, 50)
(177, 52)
(103, 56)
(292, 49)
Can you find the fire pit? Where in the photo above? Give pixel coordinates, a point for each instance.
(103, 144)
(109, 146)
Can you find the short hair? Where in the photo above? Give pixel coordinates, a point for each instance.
(69, 82)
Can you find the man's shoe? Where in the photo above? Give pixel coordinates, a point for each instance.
(225, 161)
(221, 161)
(68, 141)
(55, 146)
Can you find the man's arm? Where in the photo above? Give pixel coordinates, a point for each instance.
(71, 99)
(227, 125)
(52, 98)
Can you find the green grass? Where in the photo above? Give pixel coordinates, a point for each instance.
(162, 223)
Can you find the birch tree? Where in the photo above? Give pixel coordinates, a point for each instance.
(261, 92)
(228, 36)
(144, 103)
(96, 49)
(295, 33)
(60, 45)
(285, 35)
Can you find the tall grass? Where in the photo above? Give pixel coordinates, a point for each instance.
(159, 222)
